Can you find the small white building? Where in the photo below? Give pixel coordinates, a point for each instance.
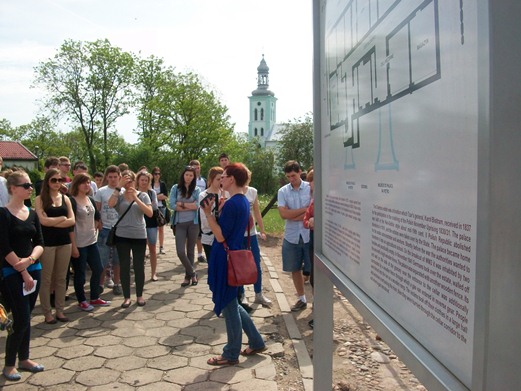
(15, 153)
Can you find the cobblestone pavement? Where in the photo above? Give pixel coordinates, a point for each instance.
(161, 346)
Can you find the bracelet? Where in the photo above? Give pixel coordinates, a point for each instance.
(32, 260)
(118, 189)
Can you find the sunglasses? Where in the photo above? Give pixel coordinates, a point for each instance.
(56, 180)
(156, 173)
(26, 186)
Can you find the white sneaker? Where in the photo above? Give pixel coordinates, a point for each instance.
(161, 250)
(263, 300)
(109, 283)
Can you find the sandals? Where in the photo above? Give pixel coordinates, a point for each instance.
(194, 280)
(220, 361)
(186, 282)
(126, 304)
(253, 352)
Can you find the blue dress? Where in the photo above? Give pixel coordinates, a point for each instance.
(233, 221)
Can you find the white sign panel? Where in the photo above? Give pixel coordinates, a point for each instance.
(400, 158)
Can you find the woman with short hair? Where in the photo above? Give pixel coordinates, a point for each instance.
(233, 221)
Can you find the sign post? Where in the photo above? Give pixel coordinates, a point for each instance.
(417, 136)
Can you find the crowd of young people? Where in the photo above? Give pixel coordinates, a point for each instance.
(73, 217)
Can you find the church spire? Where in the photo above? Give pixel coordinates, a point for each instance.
(263, 72)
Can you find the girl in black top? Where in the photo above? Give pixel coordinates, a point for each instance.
(56, 217)
(21, 245)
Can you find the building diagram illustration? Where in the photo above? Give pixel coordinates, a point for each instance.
(378, 51)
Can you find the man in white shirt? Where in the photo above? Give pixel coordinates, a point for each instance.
(293, 200)
(109, 217)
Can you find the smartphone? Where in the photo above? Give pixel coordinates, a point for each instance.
(206, 200)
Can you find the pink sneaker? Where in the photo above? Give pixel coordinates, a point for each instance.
(100, 302)
(85, 306)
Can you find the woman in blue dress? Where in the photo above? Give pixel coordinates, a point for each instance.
(233, 221)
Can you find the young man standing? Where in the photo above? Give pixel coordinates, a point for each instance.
(109, 217)
(201, 184)
(293, 200)
(223, 160)
(65, 167)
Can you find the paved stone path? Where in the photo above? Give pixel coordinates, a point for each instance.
(161, 346)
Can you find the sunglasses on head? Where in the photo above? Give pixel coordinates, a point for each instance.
(56, 180)
(26, 186)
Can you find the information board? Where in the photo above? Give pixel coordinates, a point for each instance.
(399, 153)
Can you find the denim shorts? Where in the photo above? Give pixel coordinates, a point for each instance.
(294, 256)
(108, 254)
(152, 235)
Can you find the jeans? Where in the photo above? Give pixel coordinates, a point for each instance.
(254, 244)
(137, 247)
(108, 254)
(237, 319)
(88, 255)
(185, 239)
(17, 343)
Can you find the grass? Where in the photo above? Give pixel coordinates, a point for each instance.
(273, 224)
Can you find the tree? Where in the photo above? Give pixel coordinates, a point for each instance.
(261, 162)
(41, 139)
(149, 78)
(90, 84)
(188, 121)
(296, 142)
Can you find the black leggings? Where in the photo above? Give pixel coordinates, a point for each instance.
(137, 247)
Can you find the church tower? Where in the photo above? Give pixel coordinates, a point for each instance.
(263, 106)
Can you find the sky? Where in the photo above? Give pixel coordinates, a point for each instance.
(221, 40)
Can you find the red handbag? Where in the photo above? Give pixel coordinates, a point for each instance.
(242, 269)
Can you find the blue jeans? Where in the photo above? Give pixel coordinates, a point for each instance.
(108, 254)
(254, 244)
(88, 255)
(17, 343)
(237, 319)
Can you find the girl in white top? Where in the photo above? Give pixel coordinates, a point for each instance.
(214, 180)
(251, 195)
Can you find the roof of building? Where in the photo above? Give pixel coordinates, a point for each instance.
(14, 150)
(275, 133)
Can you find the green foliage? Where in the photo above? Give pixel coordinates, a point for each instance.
(90, 85)
(273, 223)
(296, 142)
(261, 162)
(34, 175)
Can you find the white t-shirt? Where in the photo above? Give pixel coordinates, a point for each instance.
(251, 195)
(4, 194)
(109, 216)
(207, 235)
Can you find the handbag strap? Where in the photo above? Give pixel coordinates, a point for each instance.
(123, 215)
(248, 241)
